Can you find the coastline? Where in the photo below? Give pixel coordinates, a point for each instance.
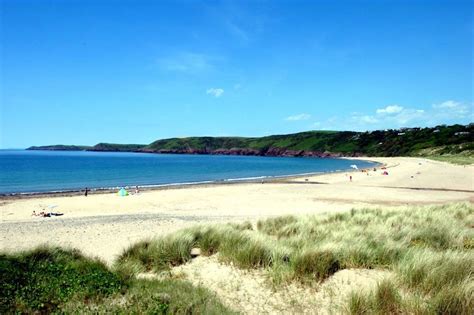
(181, 185)
(104, 224)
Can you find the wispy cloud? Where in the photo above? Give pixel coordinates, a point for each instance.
(454, 108)
(298, 117)
(216, 92)
(448, 104)
(391, 109)
(396, 116)
(189, 62)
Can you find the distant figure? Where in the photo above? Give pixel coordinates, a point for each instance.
(350, 178)
(136, 190)
(41, 214)
(86, 192)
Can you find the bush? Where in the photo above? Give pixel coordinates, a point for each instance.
(43, 279)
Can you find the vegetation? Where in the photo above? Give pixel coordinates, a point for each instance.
(167, 296)
(430, 251)
(455, 140)
(60, 147)
(462, 154)
(48, 280)
(116, 147)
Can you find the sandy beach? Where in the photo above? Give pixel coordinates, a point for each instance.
(102, 225)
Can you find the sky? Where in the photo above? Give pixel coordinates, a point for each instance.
(83, 72)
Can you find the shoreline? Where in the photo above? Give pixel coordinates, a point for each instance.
(104, 224)
(182, 185)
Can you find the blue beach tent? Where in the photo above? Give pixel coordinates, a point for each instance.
(122, 192)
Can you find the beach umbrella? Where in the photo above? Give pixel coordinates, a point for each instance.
(122, 192)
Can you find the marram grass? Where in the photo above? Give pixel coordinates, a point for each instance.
(428, 248)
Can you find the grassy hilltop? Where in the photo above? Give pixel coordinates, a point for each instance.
(437, 141)
(410, 141)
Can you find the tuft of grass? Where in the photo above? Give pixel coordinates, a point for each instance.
(385, 300)
(431, 271)
(159, 254)
(273, 226)
(319, 264)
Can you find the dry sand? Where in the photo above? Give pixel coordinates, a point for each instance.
(102, 225)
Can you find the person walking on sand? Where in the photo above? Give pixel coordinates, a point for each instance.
(350, 178)
(136, 190)
(86, 191)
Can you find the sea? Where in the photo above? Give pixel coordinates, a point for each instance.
(26, 172)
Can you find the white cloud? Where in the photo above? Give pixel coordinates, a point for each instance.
(363, 119)
(298, 117)
(390, 109)
(450, 110)
(396, 116)
(408, 115)
(447, 104)
(216, 92)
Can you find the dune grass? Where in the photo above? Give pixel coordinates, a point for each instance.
(455, 159)
(54, 280)
(430, 249)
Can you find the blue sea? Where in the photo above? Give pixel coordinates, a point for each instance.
(24, 171)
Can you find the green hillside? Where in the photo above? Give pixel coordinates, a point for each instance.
(116, 147)
(407, 141)
(437, 141)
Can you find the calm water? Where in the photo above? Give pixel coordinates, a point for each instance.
(40, 171)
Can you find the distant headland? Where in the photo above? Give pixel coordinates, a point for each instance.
(439, 140)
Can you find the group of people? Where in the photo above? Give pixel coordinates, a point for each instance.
(46, 214)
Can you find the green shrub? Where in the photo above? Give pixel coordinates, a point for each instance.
(43, 279)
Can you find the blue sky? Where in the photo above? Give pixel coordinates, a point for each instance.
(82, 72)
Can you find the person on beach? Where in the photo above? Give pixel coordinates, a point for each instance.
(350, 178)
(136, 190)
(87, 190)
